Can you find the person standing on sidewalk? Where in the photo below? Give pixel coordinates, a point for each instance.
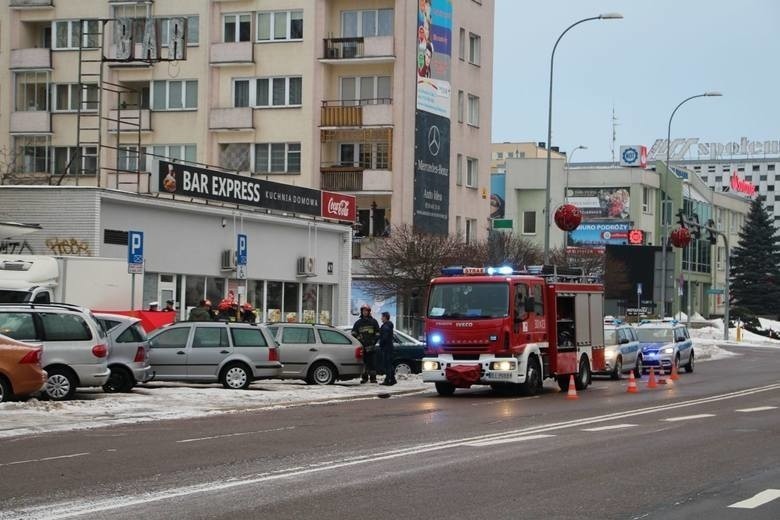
(386, 349)
(366, 330)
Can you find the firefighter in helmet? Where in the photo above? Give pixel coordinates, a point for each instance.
(366, 330)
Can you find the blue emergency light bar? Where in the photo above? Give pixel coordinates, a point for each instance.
(476, 271)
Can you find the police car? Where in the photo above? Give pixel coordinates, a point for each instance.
(665, 342)
(621, 349)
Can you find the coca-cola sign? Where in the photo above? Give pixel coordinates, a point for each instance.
(338, 206)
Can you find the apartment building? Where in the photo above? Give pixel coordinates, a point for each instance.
(312, 93)
(519, 150)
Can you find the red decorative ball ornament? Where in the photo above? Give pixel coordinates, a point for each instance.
(568, 217)
(681, 237)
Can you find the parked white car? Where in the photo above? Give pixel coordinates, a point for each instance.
(128, 353)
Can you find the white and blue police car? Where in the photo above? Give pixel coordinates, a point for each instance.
(664, 343)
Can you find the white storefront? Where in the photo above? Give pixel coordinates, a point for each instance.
(189, 247)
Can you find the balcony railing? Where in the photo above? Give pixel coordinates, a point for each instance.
(231, 53)
(30, 59)
(341, 178)
(31, 122)
(350, 112)
(31, 4)
(132, 120)
(241, 118)
(357, 48)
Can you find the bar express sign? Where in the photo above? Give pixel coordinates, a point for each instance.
(179, 179)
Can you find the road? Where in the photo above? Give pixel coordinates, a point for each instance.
(707, 445)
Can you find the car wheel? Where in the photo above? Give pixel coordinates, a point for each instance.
(120, 380)
(321, 373)
(582, 380)
(638, 368)
(617, 373)
(5, 390)
(403, 369)
(236, 376)
(60, 384)
(689, 366)
(445, 389)
(675, 363)
(533, 377)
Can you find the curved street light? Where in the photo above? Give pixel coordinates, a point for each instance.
(604, 16)
(664, 221)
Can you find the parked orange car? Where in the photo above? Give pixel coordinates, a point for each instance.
(20, 369)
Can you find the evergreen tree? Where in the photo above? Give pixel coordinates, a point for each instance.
(755, 275)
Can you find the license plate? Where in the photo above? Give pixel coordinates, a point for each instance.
(501, 375)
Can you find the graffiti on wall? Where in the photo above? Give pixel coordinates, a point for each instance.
(68, 246)
(15, 247)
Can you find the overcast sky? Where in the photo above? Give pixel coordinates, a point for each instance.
(661, 52)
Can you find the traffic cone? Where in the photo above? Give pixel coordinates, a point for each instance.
(632, 388)
(674, 376)
(651, 382)
(572, 393)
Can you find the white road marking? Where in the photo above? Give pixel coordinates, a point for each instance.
(236, 434)
(610, 427)
(758, 409)
(46, 459)
(758, 500)
(688, 417)
(84, 506)
(507, 440)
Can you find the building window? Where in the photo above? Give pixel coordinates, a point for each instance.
(367, 23)
(175, 95)
(471, 230)
(770, 167)
(193, 31)
(718, 178)
(66, 98)
(762, 178)
(475, 44)
(726, 168)
(460, 106)
(365, 155)
(459, 170)
(68, 32)
(279, 26)
(174, 152)
(648, 199)
(277, 158)
(473, 110)
(31, 91)
(267, 92)
(66, 160)
(756, 167)
(32, 153)
(462, 44)
(472, 172)
(235, 156)
(128, 157)
(365, 90)
(711, 169)
(236, 27)
(741, 169)
(529, 222)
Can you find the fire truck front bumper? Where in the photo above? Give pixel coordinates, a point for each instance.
(487, 370)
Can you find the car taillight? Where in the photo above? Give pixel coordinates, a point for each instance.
(273, 354)
(140, 355)
(32, 357)
(358, 352)
(100, 351)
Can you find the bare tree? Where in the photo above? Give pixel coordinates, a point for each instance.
(11, 173)
(590, 260)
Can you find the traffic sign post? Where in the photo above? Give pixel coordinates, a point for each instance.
(135, 260)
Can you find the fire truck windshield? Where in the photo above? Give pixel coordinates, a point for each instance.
(469, 300)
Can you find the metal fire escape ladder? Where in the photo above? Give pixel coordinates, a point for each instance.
(128, 124)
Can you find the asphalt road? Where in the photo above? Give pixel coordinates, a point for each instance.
(707, 445)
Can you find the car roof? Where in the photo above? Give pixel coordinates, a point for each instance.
(659, 324)
(116, 317)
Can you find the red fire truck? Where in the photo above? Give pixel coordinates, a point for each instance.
(511, 330)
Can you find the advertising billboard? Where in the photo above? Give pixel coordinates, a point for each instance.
(601, 203)
(633, 156)
(432, 117)
(599, 234)
(497, 195)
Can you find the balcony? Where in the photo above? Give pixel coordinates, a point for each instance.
(31, 122)
(354, 178)
(370, 112)
(31, 4)
(231, 53)
(129, 120)
(22, 59)
(376, 49)
(223, 119)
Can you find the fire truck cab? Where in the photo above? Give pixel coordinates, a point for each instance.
(511, 330)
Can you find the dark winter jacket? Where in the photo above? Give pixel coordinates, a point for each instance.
(366, 330)
(386, 336)
(200, 314)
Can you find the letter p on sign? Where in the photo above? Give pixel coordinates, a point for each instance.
(135, 249)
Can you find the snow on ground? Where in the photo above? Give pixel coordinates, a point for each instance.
(160, 400)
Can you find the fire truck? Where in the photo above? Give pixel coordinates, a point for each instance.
(513, 329)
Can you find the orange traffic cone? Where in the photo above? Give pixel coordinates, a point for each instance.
(651, 382)
(572, 393)
(674, 376)
(632, 388)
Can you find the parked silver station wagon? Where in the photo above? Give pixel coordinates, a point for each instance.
(234, 354)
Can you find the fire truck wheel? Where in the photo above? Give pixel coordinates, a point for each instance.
(533, 377)
(582, 379)
(445, 389)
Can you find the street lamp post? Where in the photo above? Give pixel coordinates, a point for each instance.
(605, 16)
(664, 221)
(569, 157)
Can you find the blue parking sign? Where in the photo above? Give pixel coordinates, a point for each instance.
(241, 253)
(135, 247)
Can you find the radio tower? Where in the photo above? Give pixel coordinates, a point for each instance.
(614, 132)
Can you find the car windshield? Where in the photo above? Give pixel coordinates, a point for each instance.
(469, 300)
(655, 335)
(610, 337)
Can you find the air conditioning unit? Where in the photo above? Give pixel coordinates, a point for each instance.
(227, 260)
(305, 266)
